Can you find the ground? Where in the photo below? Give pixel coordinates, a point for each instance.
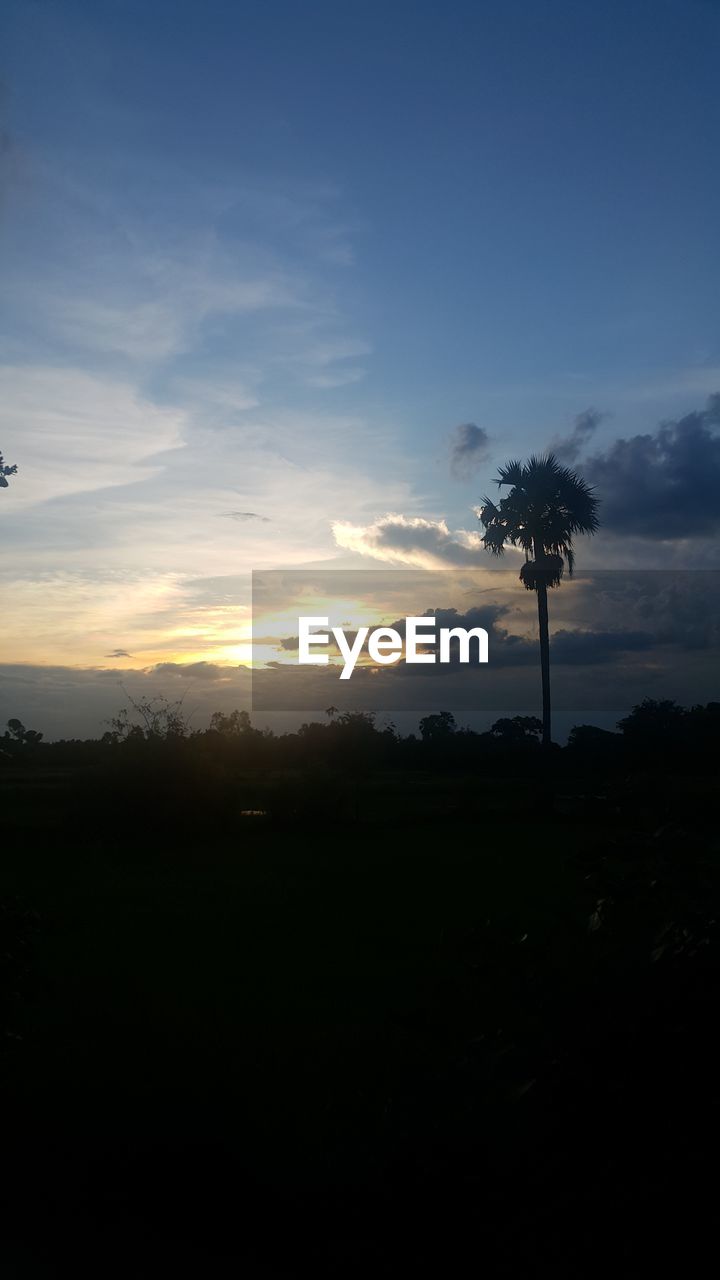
(357, 1046)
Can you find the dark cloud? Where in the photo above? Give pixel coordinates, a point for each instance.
(680, 607)
(575, 648)
(192, 670)
(485, 616)
(119, 653)
(244, 516)
(596, 675)
(663, 485)
(570, 646)
(468, 448)
(569, 448)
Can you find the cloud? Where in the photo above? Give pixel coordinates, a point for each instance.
(668, 648)
(598, 672)
(411, 540)
(679, 607)
(69, 702)
(244, 516)
(156, 302)
(145, 332)
(119, 653)
(588, 648)
(217, 398)
(192, 670)
(574, 646)
(663, 485)
(329, 351)
(507, 649)
(569, 448)
(73, 432)
(468, 449)
(324, 362)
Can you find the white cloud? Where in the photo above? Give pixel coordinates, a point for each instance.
(411, 540)
(146, 331)
(153, 306)
(210, 397)
(86, 572)
(321, 362)
(153, 344)
(74, 432)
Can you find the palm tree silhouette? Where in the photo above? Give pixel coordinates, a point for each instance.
(546, 506)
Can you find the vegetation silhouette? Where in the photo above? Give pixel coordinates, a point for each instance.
(152, 767)
(5, 471)
(354, 1002)
(548, 504)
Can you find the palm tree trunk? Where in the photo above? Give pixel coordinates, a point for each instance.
(544, 661)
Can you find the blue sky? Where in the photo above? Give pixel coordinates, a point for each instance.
(263, 260)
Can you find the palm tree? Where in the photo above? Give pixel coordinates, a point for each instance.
(546, 506)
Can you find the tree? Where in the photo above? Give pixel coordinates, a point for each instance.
(152, 719)
(546, 506)
(18, 743)
(19, 738)
(588, 737)
(517, 729)
(235, 725)
(5, 471)
(438, 726)
(654, 723)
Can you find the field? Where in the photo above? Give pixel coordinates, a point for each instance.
(460, 1018)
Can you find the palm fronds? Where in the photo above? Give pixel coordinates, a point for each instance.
(548, 504)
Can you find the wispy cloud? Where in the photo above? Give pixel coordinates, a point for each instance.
(243, 516)
(569, 448)
(160, 347)
(75, 432)
(150, 307)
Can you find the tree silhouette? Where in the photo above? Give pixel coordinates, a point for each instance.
(517, 729)
(546, 506)
(19, 738)
(5, 471)
(441, 725)
(155, 719)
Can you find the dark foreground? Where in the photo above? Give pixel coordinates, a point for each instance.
(479, 1021)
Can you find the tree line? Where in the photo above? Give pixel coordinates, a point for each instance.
(653, 731)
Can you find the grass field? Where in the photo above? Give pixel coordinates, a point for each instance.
(352, 1045)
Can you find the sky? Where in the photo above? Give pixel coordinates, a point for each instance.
(285, 283)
